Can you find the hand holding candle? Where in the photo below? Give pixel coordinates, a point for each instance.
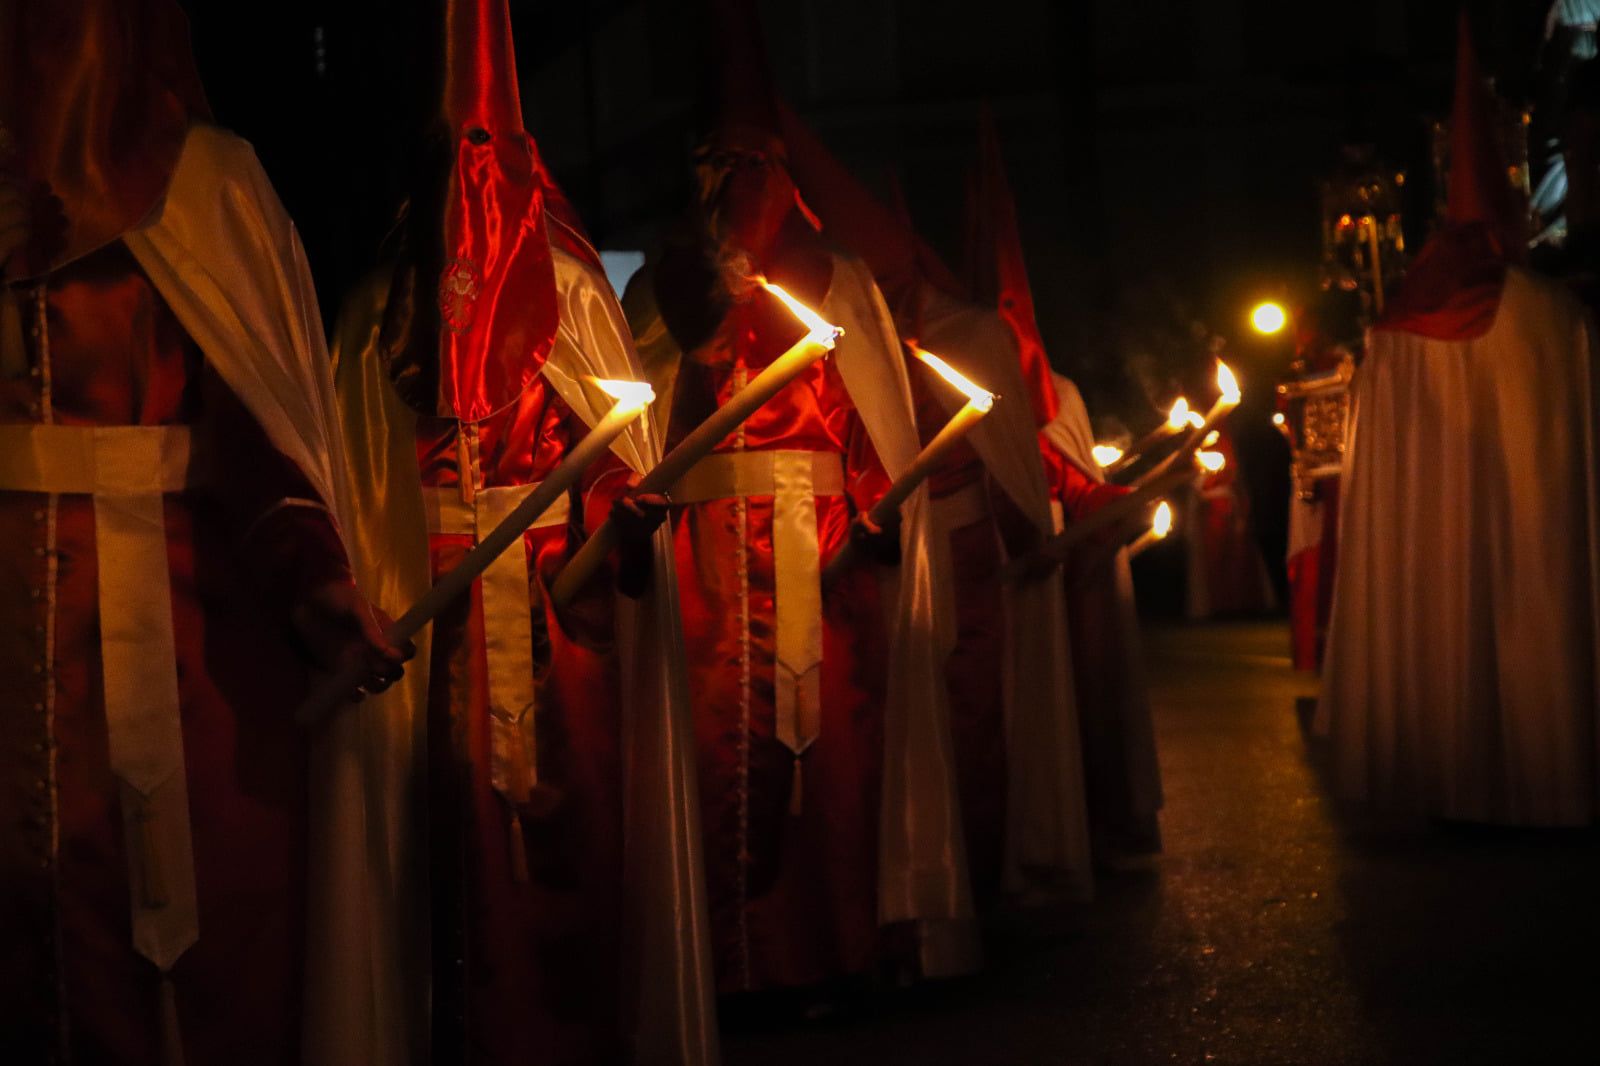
(818, 342)
(1228, 398)
(1160, 526)
(1059, 548)
(633, 398)
(1178, 416)
(979, 403)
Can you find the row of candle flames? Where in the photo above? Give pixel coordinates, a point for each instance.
(1112, 459)
(634, 397)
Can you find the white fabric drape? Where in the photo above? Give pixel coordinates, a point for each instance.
(225, 257)
(670, 1002)
(1047, 816)
(1072, 433)
(1461, 668)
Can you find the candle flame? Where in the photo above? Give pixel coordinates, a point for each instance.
(1162, 525)
(1106, 454)
(1211, 438)
(1178, 417)
(1196, 419)
(1228, 385)
(976, 396)
(822, 331)
(635, 395)
(1213, 461)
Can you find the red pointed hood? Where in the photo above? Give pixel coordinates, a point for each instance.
(857, 220)
(485, 298)
(998, 270)
(1452, 290)
(1479, 189)
(746, 196)
(96, 97)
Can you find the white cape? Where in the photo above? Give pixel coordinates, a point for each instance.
(1128, 701)
(1461, 678)
(1047, 833)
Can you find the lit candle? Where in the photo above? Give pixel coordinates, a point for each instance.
(633, 397)
(1058, 548)
(1177, 417)
(979, 403)
(1227, 399)
(818, 342)
(1159, 528)
(1106, 454)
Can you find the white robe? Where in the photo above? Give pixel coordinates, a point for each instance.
(1461, 675)
(1072, 434)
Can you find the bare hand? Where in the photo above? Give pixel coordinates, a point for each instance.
(636, 516)
(881, 543)
(339, 626)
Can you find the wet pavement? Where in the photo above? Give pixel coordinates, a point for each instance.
(1275, 929)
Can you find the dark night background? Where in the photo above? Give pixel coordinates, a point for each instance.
(1165, 154)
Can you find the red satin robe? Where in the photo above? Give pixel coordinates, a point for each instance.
(793, 896)
(73, 986)
(524, 971)
(1233, 577)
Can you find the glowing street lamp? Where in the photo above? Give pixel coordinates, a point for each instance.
(1269, 318)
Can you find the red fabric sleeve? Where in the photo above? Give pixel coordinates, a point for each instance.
(288, 541)
(1080, 494)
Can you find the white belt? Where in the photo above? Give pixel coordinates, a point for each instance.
(966, 506)
(127, 470)
(507, 626)
(794, 479)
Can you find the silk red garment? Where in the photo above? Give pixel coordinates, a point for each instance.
(477, 302)
(524, 971)
(1452, 290)
(118, 357)
(1311, 572)
(96, 97)
(793, 895)
(1227, 574)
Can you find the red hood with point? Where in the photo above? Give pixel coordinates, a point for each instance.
(492, 275)
(1452, 290)
(96, 97)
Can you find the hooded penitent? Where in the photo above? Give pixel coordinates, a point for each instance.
(97, 99)
(556, 873)
(822, 736)
(475, 303)
(173, 319)
(1459, 680)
